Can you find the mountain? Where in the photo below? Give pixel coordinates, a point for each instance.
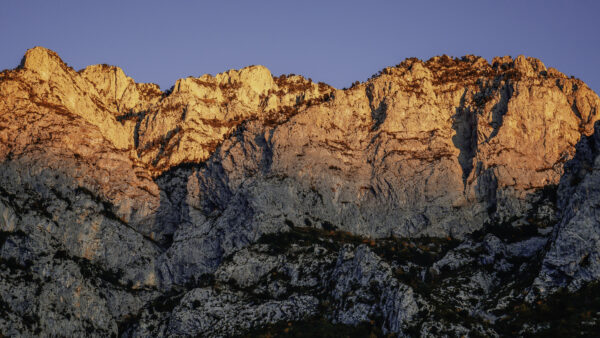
(450, 196)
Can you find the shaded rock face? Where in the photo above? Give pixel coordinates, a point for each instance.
(573, 258)
(435, 198)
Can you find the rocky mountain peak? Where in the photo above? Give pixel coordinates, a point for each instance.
(42, 61)
(234, 201)
(119, 91)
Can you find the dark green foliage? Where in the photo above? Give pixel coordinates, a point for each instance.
(316, 327)
(564, 313)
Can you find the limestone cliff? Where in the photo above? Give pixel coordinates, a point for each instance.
(233, 202)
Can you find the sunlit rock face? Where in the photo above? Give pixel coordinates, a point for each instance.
(235, 202)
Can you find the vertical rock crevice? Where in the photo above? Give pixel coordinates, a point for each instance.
(500, 109)
(378, 111)
(465, 137)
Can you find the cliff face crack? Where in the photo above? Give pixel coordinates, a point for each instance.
(116, 88)
(500, 109)
(138, 117)
(173, 209)
(465, 137)
(136, 130)
(379, 113)
(267, 152)
(164, 143)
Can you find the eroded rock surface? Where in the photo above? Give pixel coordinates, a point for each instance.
(437, 197)
(573, 259)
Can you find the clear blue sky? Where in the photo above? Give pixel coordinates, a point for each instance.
(337, 42)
